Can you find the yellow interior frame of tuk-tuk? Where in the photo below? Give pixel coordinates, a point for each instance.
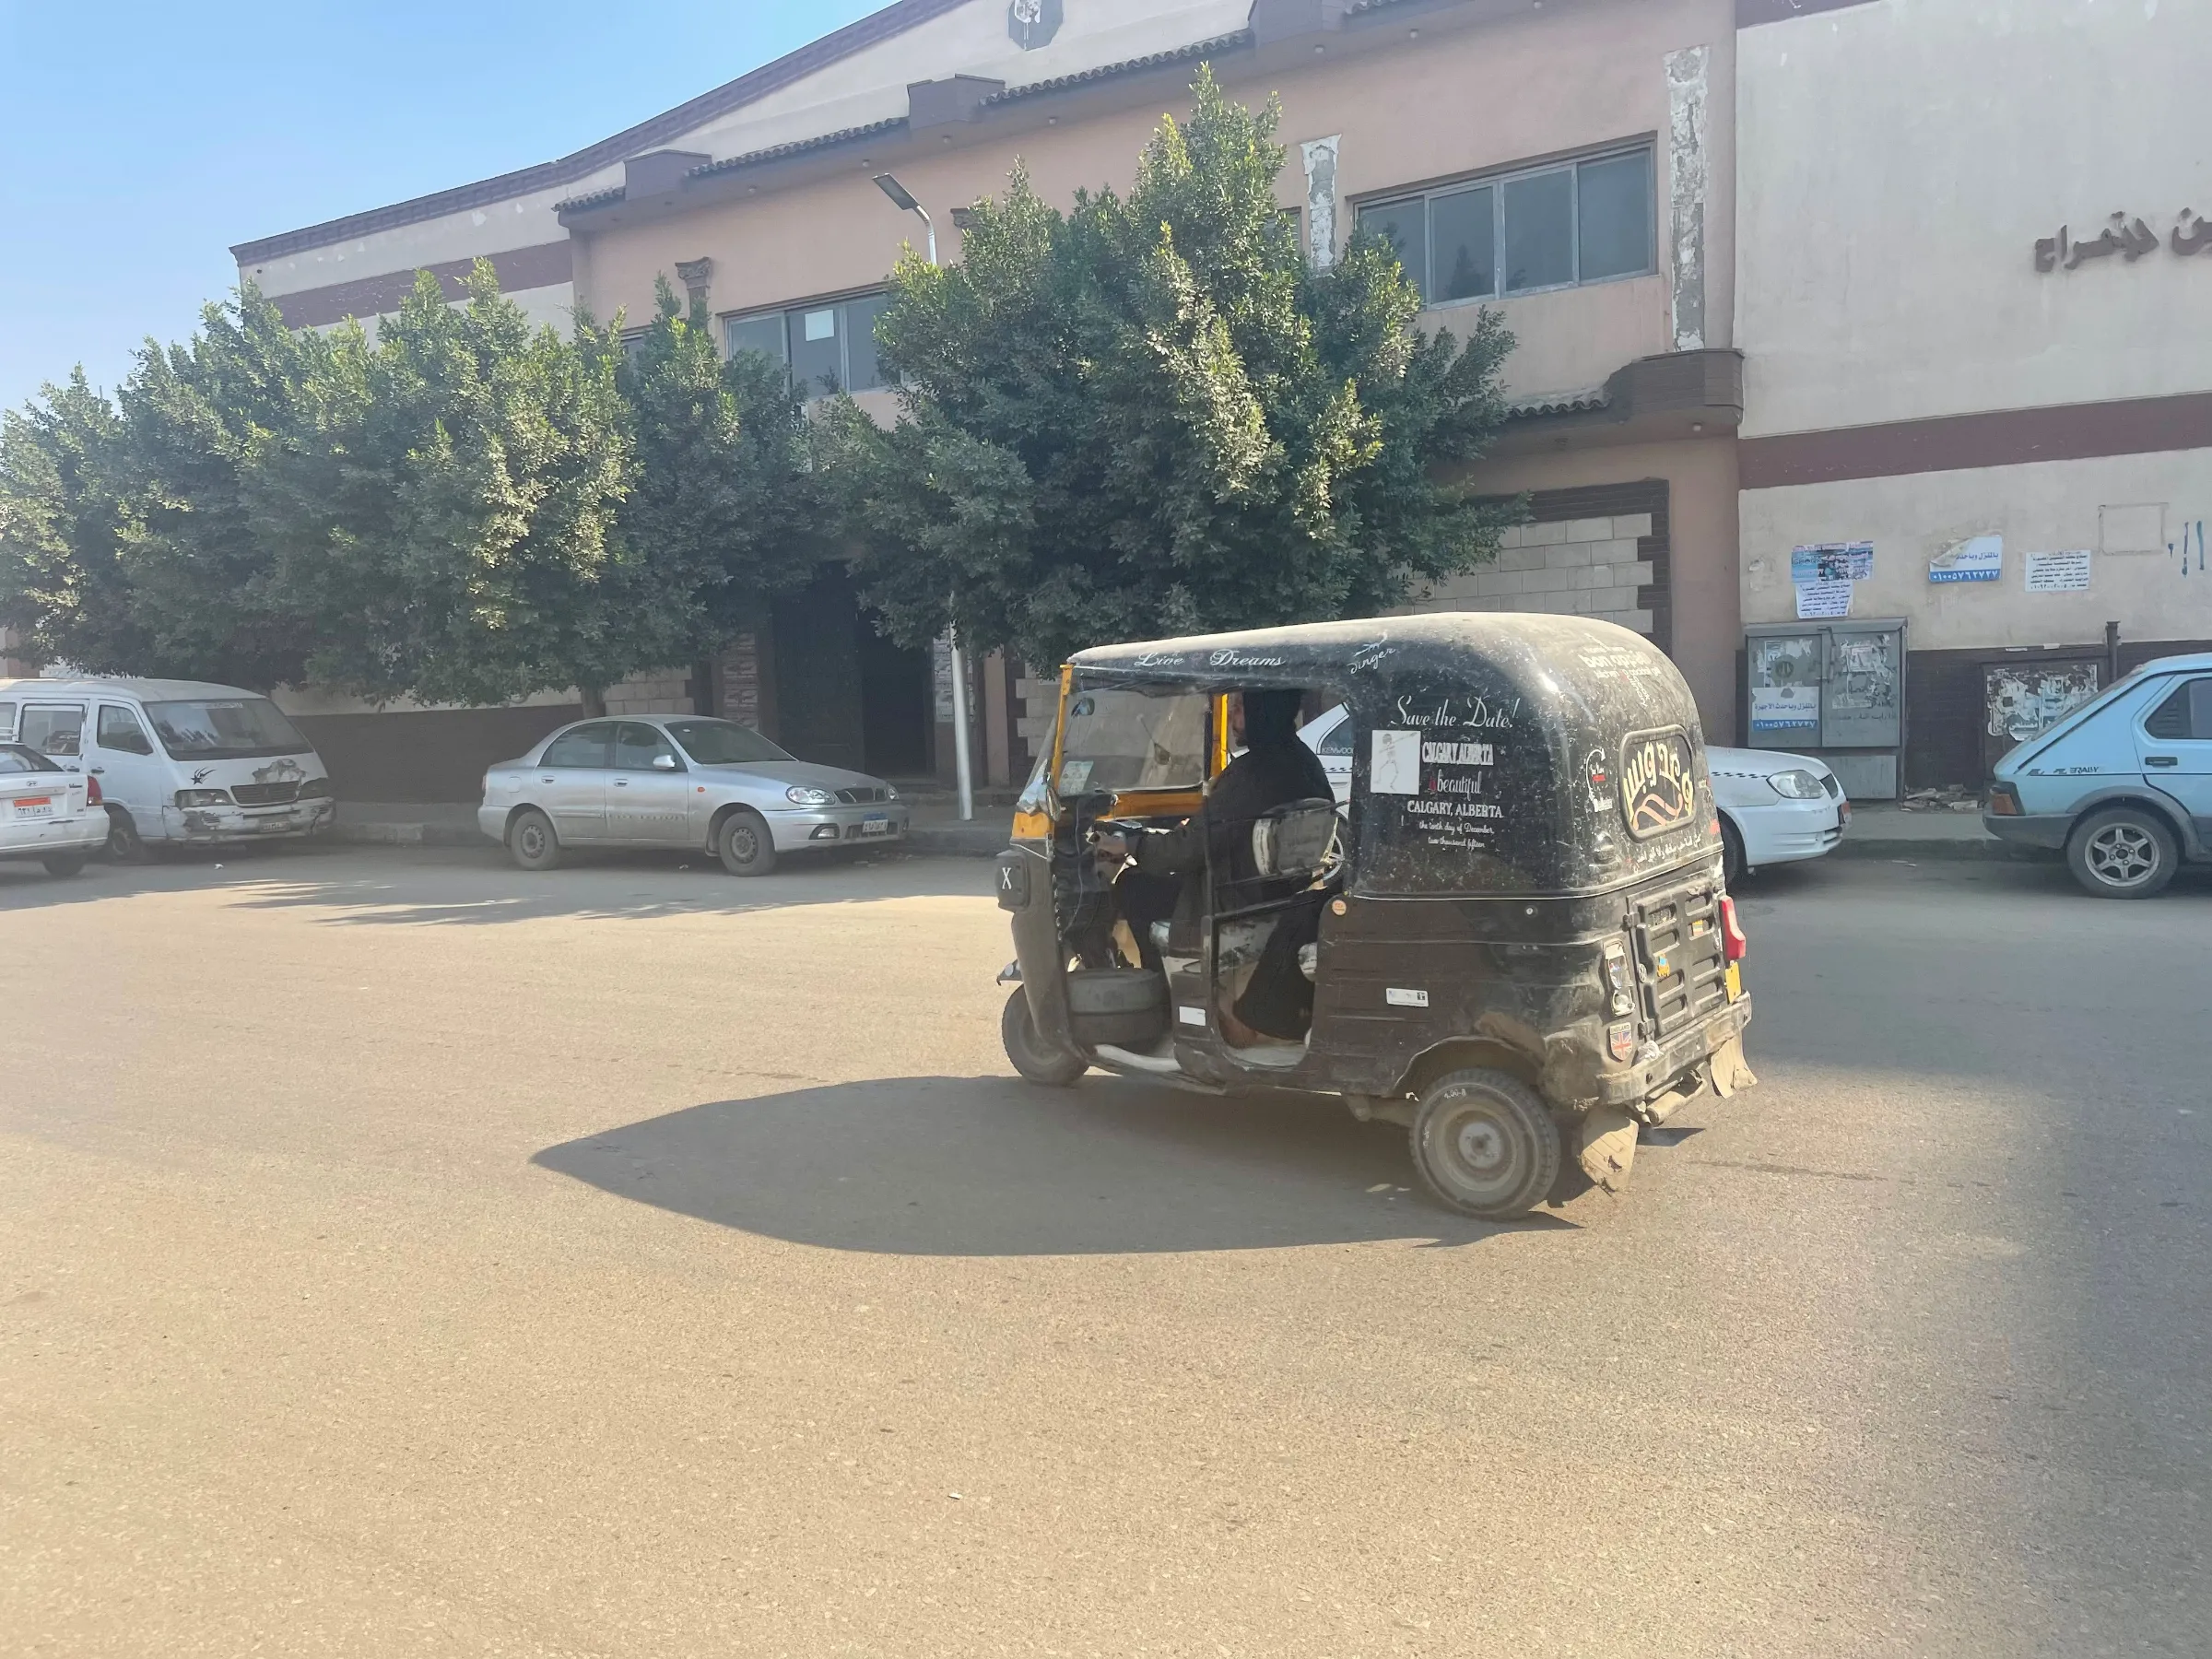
(1128, 802)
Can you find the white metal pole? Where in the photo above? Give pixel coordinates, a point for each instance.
(962, 766)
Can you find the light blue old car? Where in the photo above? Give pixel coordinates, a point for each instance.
(2124, 784)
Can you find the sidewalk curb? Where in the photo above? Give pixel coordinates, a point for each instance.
(957, 840)
(408, 835)
(1988, 849)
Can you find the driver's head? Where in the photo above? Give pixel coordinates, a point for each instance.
(1271, 718)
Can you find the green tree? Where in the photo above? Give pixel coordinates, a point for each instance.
(131, 538)
(64, 587)
(724, 511)
(1150, 416)
(204, 551)
(443, 502)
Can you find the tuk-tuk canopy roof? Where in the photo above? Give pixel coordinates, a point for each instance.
(1492, 753)
(1533, 653)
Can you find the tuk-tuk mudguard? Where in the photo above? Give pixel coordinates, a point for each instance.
(1028, 899)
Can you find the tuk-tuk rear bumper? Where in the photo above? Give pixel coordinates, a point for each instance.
(1659, 1069)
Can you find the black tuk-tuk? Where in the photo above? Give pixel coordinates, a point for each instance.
(1514, 932)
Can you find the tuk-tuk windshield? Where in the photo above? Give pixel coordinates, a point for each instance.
(1125, 738)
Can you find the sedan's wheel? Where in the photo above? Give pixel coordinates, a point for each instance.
(125, 846)
(1732, 855)
(746, 847)
(1031, 1057)
(2122, 853)
(530, 841)
(63, 864)
(1484, 1144)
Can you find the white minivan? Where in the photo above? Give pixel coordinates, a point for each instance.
(180, 762)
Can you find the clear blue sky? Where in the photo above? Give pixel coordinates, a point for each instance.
(139, 140)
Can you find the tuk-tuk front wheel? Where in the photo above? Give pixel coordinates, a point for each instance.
(1033, 1057)
(1484, 1144)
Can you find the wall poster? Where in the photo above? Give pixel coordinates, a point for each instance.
(1977, 558)
(2065, 573)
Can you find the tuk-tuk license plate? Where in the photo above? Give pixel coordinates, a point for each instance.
(1734, 980)
(876, 826)
(34, 806)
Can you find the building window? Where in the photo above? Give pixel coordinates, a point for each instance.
(1517, 233)
(828, 347)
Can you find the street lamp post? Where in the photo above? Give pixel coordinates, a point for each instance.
(903, 199)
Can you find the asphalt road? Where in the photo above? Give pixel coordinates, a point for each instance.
(403, 1255)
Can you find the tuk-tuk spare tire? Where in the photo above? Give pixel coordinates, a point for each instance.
(1027, 1051)
(1484, 1144)
(1121, 1006)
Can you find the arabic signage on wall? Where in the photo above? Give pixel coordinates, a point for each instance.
(2062, 572)
(2127, 236)
(1785, 707)
(1977, 558)
(1823, 574)
(1833, 561)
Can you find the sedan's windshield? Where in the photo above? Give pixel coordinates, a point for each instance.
(723, 743)
(226, 728)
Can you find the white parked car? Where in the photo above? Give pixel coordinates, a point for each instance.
(178, 761)
(1775, 808)
(679, 781)
(47, 812)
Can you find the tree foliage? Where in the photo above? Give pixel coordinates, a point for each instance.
(463, 507)
(1150, 415)
(724, 511)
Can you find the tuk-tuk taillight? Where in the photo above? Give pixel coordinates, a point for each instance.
(1732, 934)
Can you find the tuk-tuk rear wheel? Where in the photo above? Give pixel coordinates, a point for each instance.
(1027, 1050)
(1484, 1144)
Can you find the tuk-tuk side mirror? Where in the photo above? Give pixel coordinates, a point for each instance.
(1298, 840)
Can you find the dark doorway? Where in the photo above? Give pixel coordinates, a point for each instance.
(894, 705)
(817, 705)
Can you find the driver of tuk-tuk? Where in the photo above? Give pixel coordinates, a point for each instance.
(1275, 768)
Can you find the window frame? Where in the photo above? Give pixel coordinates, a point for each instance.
(793, 313)
(2185, 694)
(1496, 179)
(138, 730)
(58, 706)
(662, 740)
(546, 759)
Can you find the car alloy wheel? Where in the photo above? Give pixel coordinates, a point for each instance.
(2123, 853)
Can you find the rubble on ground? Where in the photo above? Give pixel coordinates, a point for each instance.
(1951, 799)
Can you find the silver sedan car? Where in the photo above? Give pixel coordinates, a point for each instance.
(677, 781)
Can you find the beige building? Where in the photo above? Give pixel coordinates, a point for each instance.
(1569, 162)
(1972, 295)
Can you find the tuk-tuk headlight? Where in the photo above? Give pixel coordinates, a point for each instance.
(799, 795)
(1799, 785)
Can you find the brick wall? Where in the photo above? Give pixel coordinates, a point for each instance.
(663, 691)
(1587, 567)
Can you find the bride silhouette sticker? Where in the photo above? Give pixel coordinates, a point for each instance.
(1658, 788)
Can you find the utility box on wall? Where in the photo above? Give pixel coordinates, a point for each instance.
(1835, 690)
